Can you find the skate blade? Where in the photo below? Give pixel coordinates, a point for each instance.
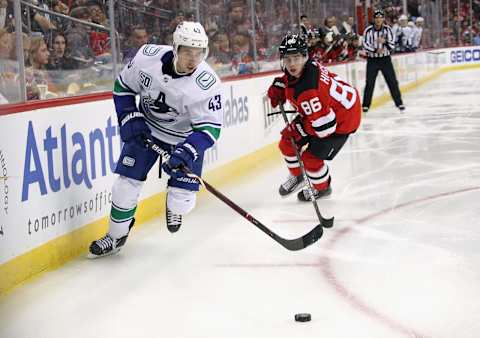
(300, 186)
(93, 256)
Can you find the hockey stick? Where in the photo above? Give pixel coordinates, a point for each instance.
(279, 112)
(291, 244)
(325, 222)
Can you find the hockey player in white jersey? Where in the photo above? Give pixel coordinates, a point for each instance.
(181, 107)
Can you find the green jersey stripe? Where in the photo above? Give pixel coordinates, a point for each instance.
(119, 88)
(215, 132)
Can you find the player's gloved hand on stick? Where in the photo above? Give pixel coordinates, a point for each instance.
(133, 125)
(183, 156)
(276, 92)
(295, 130)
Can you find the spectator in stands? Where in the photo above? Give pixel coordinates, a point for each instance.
(99, 39)
(36, 75)
(238, 23)
(456, 29)
(305, 26)
(97, 13)
(60, 23)
(3, 13)
(354, 46)
(348, 26)
(78, 37)
(402, 35)
(39, 54)
(221, 53)
(211, 27)
(260, 19)
(330, 26)
(6, 44)
(242, 55)
(190, 16)
(59, 60)
(467, 33)
(8, 68)
(178, 17)
(138, 38)
(41, 22)
(26, 42)
(476, 39)
(417, 33)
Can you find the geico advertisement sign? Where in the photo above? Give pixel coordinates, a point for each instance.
(465, 55)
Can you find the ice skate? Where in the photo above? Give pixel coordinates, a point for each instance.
(304, 195)
(107, 245)
(174, 221)
(292, 184)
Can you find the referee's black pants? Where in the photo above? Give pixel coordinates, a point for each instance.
(383, 64)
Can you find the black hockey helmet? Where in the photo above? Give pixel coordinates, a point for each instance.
(378, 13)
(292, 44)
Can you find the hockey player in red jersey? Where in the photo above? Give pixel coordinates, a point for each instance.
(329, 110)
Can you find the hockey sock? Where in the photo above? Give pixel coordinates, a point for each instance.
(120, 220)
(125, 193)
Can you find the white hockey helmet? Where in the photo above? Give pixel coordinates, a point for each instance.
(190, 34)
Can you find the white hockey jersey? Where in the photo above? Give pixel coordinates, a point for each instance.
(417, 36)
(174, 106)
(402, 36)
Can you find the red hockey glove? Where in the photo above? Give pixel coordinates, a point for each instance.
(276, 92)
(294, 129)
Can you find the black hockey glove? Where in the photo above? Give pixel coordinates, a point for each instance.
(183, 155)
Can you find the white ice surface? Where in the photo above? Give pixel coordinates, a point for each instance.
(403, 259)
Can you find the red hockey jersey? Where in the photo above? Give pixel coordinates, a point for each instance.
(327, 103)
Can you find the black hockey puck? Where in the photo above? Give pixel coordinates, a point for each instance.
(303, 317)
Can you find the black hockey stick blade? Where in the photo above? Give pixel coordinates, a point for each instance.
(301, 243)
(327, 222)
(291, 244)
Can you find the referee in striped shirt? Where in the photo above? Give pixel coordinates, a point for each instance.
(378, 42)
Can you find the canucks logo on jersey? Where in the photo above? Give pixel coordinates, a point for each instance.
(158, 110)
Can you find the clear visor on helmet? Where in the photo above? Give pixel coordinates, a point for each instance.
(188, 58)
(193, 54)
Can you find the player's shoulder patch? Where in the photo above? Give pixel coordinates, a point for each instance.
(205, 80)
(151, 50)
(145, 79)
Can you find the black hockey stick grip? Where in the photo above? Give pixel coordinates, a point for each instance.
(325, 222)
